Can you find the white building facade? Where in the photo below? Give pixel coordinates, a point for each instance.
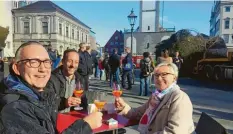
(221, 21)
(50, 25)
(6, 21)
(149, 16)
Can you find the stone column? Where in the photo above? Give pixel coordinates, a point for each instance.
(55, 24)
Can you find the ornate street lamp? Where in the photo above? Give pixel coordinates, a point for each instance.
(132, 19)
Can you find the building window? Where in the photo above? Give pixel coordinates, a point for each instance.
(226, 38)
(116, 43)
(227, 8)
(232, 38)
(106, 49)
(148, 28)
(122, 43)
(111, 43)
(45, 27)
(26, 27)
(82, 37)
(72, 33)
(86, 38)
(148, 45)
(77, 35)
(227, 23)
(8, 45)
(60, 29)
(67, 32)
(116, 38)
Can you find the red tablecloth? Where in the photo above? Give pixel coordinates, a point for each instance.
(65, 120)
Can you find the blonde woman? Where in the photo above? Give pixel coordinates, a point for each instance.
(164, 57)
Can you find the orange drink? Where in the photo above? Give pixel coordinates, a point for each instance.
(100, 104)
(117, 93)
(78, 93)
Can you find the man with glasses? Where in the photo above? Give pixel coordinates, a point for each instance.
(169, 109)
(25, 105)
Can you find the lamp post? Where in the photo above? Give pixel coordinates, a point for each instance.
(132, 19)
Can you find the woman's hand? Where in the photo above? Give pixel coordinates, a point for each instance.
(121, 107)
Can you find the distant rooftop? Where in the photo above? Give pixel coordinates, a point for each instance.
(47, 6)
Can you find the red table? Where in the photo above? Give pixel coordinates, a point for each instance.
(65, 120)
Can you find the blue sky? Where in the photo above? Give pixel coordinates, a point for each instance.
(105, 17)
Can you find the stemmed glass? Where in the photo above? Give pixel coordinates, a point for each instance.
(117, 92)
(78, 92)
(100, 100)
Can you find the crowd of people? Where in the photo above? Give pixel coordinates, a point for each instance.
(34, 92)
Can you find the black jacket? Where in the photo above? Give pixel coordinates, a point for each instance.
(114, 62)
(26, 111)
(85, 63)
(57, 83)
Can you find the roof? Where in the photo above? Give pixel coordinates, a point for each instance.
(47, 6)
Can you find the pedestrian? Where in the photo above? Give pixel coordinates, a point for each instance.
(106, 66)
(168, 110)
(177, 60)
(146, 67)
(127, 67)
(114, 63)
(25, 105)
(101, 67)
(164, 57)
(52, 54)
(85, 65)
(151, 77)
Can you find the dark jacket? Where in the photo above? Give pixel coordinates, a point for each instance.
(57, 83)
(85, 63)
(146, 67)
(127, 63)
(114, 62)
(26, 111)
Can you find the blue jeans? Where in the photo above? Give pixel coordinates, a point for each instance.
(101, 73)
(144, 82)
(127, 75)
(114, 77)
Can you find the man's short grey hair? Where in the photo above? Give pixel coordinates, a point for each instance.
(172, 66)
(18, 51)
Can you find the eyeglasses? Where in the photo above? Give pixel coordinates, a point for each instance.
(163, 75)
(35, 63)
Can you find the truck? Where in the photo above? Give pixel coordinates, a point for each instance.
(217, 63)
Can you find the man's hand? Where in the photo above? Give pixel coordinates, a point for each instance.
(94, 119)
(73, 101)
(122, 107)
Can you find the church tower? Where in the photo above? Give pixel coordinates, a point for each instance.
(149, 16)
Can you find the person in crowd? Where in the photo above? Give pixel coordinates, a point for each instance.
(114, 63)
(177, 60)
(57, 61)
(52, 54)
(106, 66)
(168, 110)
(153, 63)
(1, 65)
(164, 57)
(25, 105)
(85, 64)
(101, 67)
(94, 55)
(64, 79)
(127, 66)
(146, 68)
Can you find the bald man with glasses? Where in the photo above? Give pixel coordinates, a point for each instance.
(26, 107)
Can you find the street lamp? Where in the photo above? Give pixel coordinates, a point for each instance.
(132, 19)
